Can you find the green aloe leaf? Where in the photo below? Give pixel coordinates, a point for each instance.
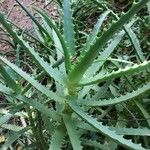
(14, 84)
(135, 42)
(123, 98)
(77, 73)
(131, 131)
(133, 39)
(71, 129)
(12, 127)
(69, 34)
(37, 105)
(109, 76)
(43, 65)
(106, 53)
(57, 139)
(119, 130)
(52, 25)
(32, 81)
(41, 30)
(104, 129)
(93, 35)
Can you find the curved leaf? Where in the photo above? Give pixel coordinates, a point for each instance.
(48, 112)
(50, 23)
(8, 79)
(120, 99)
(108, 76)
(54, 73)
(69, 34)
(104, 129)
(93, 35)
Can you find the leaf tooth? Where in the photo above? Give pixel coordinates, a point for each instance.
(125, 69)
(72, 67)
(114, 21)
(105, 29)
(134, 3)
(145, 62)
(123, 13)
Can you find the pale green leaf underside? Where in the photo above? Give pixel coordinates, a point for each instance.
(12, 127)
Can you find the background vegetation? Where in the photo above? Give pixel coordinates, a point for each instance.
(80, 81)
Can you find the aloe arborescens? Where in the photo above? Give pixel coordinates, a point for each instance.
(70, 106)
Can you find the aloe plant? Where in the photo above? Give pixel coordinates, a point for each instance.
(60, 119)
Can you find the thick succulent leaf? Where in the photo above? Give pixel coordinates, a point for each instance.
(17, 53)
(93, 35)
(69, 34)
(57, 139)
(35, 104)
(131, 131)
(95, 144)
(135, 42)
(104, 129)
(9, 80)
(12, 138)
(32, 81)
(120, 99)
(103, 58)
(133, 38)
(77, 73)
(58, 46)
(106, 53)
(43, 65)
(52, 72)
(50, 23)
(118, 130)
(71, 129)
(41, 75)
(109, 76)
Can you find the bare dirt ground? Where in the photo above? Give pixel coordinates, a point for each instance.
(13, 11)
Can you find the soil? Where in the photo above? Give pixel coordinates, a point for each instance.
(13, 11)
